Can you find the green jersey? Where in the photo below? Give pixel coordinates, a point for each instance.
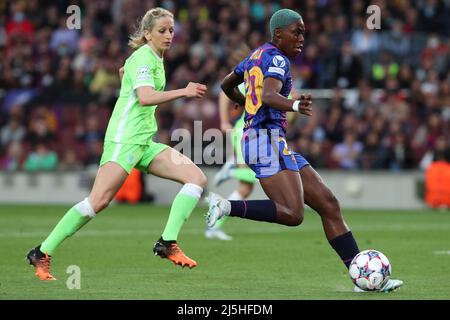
(130, 122)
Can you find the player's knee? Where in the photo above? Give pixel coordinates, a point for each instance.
(294, 221)
(299, 216)
(296, 216)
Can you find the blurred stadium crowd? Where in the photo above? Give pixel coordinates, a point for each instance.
(389, 106)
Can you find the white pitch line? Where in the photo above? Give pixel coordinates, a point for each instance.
(94, 232)
(248, 230)
(442, 252)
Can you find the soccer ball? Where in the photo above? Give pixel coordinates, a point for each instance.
(370, 270)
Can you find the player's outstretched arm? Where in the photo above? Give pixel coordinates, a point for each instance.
(230, 86)
(150, 97)
(271, 96)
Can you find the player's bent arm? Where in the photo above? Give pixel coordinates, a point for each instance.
(230, 86)
(271, 96)
(150, 97)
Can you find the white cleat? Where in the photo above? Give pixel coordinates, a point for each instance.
(224, 173)
(217, 208)
(217, 233)
(389, 286)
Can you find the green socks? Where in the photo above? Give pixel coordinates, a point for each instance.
(182, 207)
(80, 214)
(243, 174)
(73, 220)
(220, 222)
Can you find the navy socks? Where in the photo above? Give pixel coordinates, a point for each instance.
(346, 247)
(265, 210)
(259, 210)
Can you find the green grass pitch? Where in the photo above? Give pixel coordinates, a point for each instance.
(264, 261)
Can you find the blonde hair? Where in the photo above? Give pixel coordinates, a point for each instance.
(147, 22)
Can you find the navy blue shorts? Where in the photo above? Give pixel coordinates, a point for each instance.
(267, 153)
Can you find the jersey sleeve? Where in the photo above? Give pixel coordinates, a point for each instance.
(240, 69)
(140, 71)
(276, 66)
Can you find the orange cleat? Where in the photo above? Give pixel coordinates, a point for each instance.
(41, 263)
(170, 250)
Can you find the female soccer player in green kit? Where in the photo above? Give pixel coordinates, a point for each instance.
(128, 144)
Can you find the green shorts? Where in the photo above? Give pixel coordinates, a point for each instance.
(130, 156)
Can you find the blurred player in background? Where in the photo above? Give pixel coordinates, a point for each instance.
(128, 144)
(234, 167)
(289, 181)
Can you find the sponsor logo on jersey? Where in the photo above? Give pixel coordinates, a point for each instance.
(143, 74)
(278, 61)
(277, 70)
(143, 70)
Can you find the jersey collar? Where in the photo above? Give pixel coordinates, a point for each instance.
(154, 53)
(276, 48)
(270, 43)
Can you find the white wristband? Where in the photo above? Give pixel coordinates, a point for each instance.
(295, 105)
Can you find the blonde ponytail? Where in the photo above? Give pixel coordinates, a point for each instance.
(147, 22)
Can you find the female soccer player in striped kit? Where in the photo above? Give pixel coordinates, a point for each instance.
(128, 144)
(286, 177)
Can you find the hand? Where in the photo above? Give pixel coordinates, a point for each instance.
(305, 104)
(224, 126)
(195, 90)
